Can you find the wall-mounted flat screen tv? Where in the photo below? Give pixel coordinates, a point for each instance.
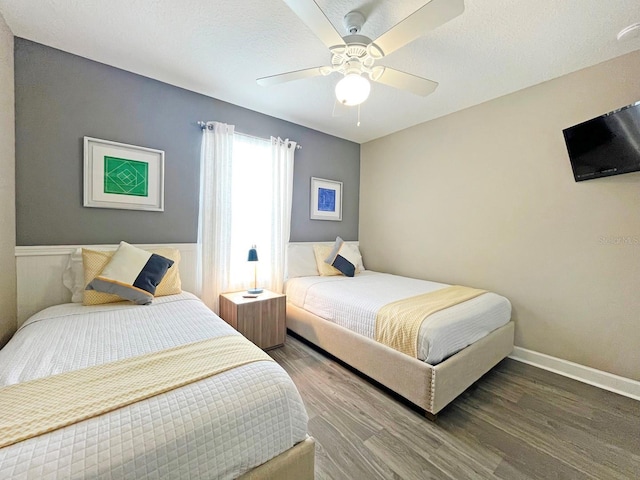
(606, 145)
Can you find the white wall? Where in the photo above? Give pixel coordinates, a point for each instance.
(7, 187)
(485, 197)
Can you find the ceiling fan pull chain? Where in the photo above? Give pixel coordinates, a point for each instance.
(358, 124)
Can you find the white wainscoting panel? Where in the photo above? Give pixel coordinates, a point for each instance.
(39, 273)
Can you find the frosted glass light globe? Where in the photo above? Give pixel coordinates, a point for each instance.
(353, 89)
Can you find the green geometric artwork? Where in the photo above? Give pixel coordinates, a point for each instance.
(126, 177)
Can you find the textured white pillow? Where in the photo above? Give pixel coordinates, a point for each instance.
(301, 261)
(73, 276)
(355, 253)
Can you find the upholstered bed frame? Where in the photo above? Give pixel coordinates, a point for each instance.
(37, 291)
(297, 463)
(429, 387)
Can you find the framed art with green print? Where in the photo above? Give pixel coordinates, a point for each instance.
(117, 175)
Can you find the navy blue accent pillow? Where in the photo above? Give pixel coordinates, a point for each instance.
(347, 268)
(153, 272)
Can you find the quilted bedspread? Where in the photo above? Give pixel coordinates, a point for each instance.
(355, 302)
(219, 427)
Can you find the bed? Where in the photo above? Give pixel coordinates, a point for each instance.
(247, 422)
(455, 347)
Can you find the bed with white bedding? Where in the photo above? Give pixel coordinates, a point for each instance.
(354, 302)
(455, 346)
(221, 427)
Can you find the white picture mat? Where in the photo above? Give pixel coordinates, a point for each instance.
(316, 185)
(94, 196)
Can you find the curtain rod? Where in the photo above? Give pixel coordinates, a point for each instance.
(203, 125)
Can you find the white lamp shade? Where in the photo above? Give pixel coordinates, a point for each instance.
(353, 89)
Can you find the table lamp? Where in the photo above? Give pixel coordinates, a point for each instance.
(253, 257)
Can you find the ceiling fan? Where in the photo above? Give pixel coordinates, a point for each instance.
(356, 55)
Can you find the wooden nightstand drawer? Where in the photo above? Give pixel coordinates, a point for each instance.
(260, 319)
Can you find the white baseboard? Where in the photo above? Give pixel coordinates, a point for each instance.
(607, 381)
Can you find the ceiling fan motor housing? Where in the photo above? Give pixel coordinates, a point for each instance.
(353, 22)
(357, 55)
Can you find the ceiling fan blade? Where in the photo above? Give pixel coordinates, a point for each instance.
(426, 18)
(310, 13)
(406, 81)
(289, 76)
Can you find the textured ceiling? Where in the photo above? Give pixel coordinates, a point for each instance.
(220, 47)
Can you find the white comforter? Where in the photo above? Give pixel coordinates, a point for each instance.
(215, 428)
(354, 302)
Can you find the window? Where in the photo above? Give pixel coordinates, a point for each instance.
(251, 209)
(246, 187)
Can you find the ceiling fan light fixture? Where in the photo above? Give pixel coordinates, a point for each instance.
(352, 89)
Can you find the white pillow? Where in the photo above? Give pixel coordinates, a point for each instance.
(73, 276)
(355, 253)
(301, 261)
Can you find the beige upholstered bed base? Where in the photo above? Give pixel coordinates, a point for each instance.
(429, 387)
(297, 463)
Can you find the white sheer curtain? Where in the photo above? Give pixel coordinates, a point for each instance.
(282, 156)
(246, 191)
(214, 219)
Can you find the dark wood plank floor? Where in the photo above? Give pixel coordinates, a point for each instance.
(517, 422)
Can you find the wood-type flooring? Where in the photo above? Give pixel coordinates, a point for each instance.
(517, 422)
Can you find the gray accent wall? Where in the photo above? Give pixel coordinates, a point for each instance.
(60, 98)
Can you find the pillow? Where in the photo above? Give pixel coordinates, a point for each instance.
(355, 252)
(85, 264)
(73, 276)
(171, 283)
(94, 262)
(342, 258)
(132, 273)
(301, 261)
(321, 252)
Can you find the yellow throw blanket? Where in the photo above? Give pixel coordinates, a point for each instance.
(39, 406)
(398, 323)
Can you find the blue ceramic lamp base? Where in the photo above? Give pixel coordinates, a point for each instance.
(255, 291)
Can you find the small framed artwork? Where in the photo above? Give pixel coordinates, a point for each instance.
(117, 175)
(326, 199)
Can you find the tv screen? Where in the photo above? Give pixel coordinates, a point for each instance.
(606, 145)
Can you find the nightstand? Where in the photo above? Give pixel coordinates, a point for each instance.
(260, 319)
